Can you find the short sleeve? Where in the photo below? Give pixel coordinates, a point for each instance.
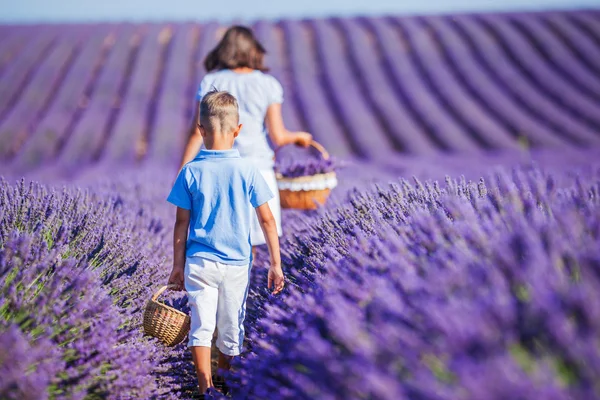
(205, 87)
(275, 90)
(260, 192)
(180, 194)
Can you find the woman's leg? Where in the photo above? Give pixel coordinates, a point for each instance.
(201, 356)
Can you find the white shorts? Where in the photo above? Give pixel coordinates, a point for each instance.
(217, 296)
(256, 235)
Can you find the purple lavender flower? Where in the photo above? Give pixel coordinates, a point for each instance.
(430, 291)
(294, 168)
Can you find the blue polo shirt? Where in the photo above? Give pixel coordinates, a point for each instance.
(221, 190)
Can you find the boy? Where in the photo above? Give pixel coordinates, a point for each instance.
(214, 194)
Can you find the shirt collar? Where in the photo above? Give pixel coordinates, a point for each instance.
(205, 153)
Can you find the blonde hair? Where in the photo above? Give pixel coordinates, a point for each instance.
(219, 112)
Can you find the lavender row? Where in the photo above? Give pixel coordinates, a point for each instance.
(23, 67)
(61, 334)
(462, 290)
(89, 128)
(583, 46)
(347, 95)
(461, 58)
(169, 122)
(208, 39)
(405, 131)
(558, 56)
(57, 250)
(476, 120)
(361, 86)
(521, 90)
(112, 243)
(39, 94)
(14, 40)
(312, 94)
(170, 125)
(586, 22)
(398, 59)
(541, 75)
(118, 230)
(69, 100)
(128, 131)
(271, 37)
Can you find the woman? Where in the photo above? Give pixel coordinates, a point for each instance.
(236, 65)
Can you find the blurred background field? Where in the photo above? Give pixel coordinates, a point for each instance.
(368, 88)
(373, 89)
(439, 286)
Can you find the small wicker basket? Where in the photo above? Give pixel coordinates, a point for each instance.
(163, 322)
(305, 199)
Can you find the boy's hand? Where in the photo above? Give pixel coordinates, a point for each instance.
(176, 278)
(275, 279)
(303, 139)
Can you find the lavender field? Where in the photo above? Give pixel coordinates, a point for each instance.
(457, 259)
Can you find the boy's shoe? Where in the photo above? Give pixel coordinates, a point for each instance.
(220, 384)
(208, 395)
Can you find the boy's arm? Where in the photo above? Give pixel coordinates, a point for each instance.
(269, 228)
(180, 233)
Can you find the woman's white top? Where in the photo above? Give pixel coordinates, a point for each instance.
(255, 92)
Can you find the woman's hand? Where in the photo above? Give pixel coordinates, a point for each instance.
(302, 139)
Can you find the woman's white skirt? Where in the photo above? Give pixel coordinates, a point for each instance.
(256, 235)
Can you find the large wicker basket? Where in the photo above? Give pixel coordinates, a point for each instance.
(314, 188)
(161, 321)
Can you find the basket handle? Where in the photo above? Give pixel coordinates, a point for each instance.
(317, 146)
(161, 291)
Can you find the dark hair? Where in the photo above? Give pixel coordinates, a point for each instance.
(238, 48)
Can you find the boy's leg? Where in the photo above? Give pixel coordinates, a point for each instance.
(224, 362)
(201, 357)
(202, 279)
(231, 311)
(231, 308)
